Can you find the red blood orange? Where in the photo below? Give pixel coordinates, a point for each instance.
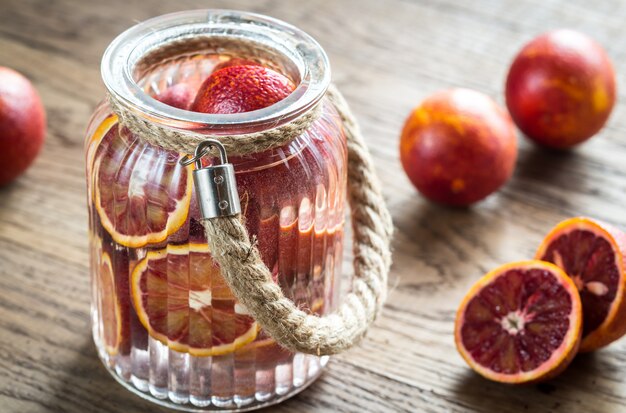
(458, 146)
(520, 323)
(560, 89)
(183, 301)
(22, 124)
(592, 253)
(237, 89)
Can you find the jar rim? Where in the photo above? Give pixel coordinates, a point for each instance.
(125, 51)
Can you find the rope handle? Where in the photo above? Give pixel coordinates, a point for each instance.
(244, 271)
(251, 281)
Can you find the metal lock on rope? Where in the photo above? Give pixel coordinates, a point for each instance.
(216, 187)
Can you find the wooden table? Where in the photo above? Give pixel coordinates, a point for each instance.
(386, 57)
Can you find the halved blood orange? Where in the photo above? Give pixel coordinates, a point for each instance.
(142, 193)
(592, 253)
(520, 323)
(183, 301)
(109, 306)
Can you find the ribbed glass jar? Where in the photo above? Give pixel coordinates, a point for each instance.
(164, 322)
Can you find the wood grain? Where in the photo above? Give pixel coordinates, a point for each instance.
(386, 56)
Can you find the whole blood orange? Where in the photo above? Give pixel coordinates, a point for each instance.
(560, 88)
(22, 124)
(458, 146)
(183, 301)
(237, 89)
(592, 253)
(520, 323)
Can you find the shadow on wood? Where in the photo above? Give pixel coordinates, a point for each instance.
(561, 168)
(452, 241)
(585, 372)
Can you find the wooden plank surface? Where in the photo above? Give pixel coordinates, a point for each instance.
(386, 56)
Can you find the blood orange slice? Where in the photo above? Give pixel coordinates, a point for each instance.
(520, 323)
(592, 253)
(109, 306)
(183, 301)
(142, 193)
(96, 137)
(92, 146)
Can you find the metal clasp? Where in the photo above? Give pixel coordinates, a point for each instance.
(216, 187)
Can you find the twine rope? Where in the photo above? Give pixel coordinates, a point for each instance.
(186, 141)
(239, 259)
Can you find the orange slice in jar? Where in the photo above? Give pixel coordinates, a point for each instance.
(183, 301)
(141, 192)
(92, 146)
(110, 313)
(98, 135)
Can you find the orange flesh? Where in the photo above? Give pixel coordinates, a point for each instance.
(516, 323)
(590, 260)
(183, 301)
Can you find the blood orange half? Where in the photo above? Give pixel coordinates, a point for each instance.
(520, 323)
(109, 306)
(592, 253)
(142, 193)
(183, 301)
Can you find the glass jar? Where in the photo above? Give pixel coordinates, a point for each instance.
(165, 324)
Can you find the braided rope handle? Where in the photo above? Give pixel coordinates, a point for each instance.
(251, 281)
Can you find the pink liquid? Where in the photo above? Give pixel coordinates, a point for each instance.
(293, 200)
